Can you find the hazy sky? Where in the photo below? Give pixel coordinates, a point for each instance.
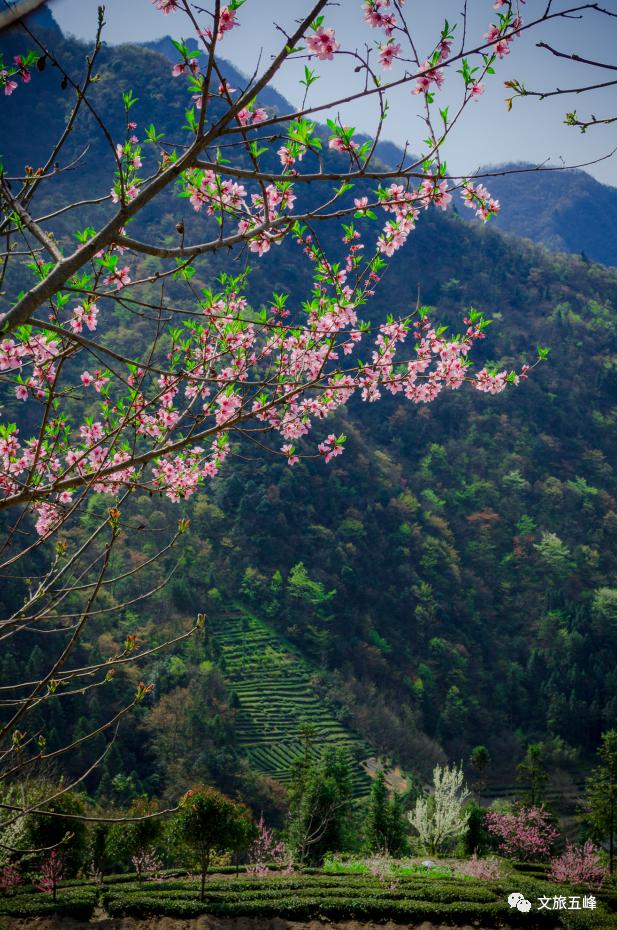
(533, 131)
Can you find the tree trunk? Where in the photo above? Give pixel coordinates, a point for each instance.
(205, 861)
(611, 838)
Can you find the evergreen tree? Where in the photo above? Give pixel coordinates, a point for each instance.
(532, 775)
(319, 805)
(601, 793)
(385, 825)
(377, 819)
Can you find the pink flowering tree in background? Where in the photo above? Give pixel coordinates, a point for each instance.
(525, 833)
(579, 865)
(146, 863)
(216, 370)
(52, 871)
(266, 851)
(10, 879)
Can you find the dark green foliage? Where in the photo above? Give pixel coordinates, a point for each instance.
(44, 831)
(601, 793)
(386, 827)
(208, 821)
(125, 840)
(477, 839)
(319, 806)
(70, 902)
(456, 901)
(532, 775)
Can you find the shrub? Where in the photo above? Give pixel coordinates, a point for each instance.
(484, 869)
(9, 879)
(578, 865)
(51, 874)
(525, 833)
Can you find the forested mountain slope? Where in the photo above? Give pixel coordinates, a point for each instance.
(452, 578)
(567, 211)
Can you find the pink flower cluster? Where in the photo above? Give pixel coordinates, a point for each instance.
(388, 51)
(51, 873)
(478, 198)
(146, 862)
(9, 879)
(502, 35)
(6, 76)
(427, 76)
(525, 833)
(323, 44)
(129, 160)
(578, 865)
(378, 14)
(265, 851)
(185, 67)
(84, 315)
(166, 6)
(487, 870)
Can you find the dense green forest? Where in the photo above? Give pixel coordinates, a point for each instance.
(450, 581)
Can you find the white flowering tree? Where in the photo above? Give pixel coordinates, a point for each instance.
(439, 818)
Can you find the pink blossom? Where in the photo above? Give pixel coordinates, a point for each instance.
(476, 91)
(228, 405)
(86, 378)
(265, 849)
(526, 833)
(9, 878)
(427, 77)
(374, 16)
(289, 451)
(323, 44)
(259, 115)
(120, 277)
(51, 873)
(179, 69)
(21, 392)
(23, 71)
(330, 447)
(9, 85)
(445, 47)
(227, 20)
(166, 6)
(387, 54)
(578, 865)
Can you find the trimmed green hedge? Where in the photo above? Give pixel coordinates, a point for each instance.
(294, 908)
(452, 900)
(74, 902)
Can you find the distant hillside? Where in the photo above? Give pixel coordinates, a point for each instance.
(268, 97)
(566, 211)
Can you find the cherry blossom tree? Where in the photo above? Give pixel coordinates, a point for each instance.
(524, 833)
(217, 369)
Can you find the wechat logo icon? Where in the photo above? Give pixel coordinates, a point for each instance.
(519, 901)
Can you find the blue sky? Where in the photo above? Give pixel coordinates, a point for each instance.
(532, 131)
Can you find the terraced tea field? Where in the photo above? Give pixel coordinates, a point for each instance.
(277, 702)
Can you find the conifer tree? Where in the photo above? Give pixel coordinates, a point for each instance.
(601, 793)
